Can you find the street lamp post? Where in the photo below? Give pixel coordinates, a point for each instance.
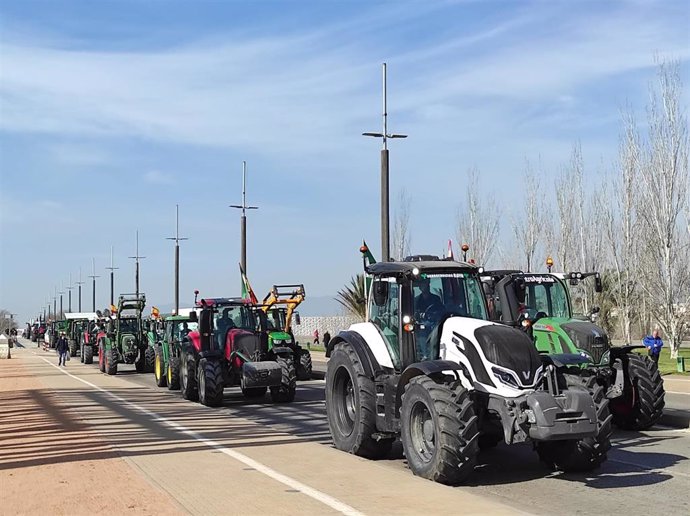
(385, 173)
(69, 295)
(62, 292)
(112, 270)
(243, 218)
(136, 259)
(93, 287)
(55, 304)
(177, 240)
(80, 283)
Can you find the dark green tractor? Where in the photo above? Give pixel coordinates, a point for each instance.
(541, 304)
(168, 350)
(125, 341)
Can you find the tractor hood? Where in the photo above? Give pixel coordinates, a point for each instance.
(494, 351)
(281, 336)
(588, 337)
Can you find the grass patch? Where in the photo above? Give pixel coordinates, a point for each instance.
(667, 365)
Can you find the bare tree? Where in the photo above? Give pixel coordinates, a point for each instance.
(402, 240)
(478, 221)
(566, 222)
(529, 228)
(664, 197)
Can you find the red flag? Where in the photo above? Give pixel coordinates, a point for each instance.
(450, 250)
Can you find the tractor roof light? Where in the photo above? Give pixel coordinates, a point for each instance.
(549, 261)
(465, 248)
(415, 271)
(363, 249)
(406, 319)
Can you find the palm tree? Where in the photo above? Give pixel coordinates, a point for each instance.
(352, 296)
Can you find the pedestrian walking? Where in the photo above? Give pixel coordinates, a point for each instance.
(326, 338)
(316, 337)
(62, 348)
(653, 343)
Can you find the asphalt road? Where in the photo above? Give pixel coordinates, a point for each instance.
(647, 472)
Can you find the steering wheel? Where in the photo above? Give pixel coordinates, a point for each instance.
(432, 312)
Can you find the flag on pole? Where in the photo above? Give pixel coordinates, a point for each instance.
(366, 253)
(450, 250)
(247, 291)
(113, 309)
(155, 312)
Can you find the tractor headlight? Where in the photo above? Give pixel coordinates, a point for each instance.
(606, 357)
(586, 355)
(505, 377)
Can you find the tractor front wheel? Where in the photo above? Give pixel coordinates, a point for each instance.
(351, 405)
(72, 348)
(87, 355)
(642, 402)
(210, 377)
(159, 368)
(439, 430)
(187, 378)
(101, 357)
(304, 366)
(173, 373)
(110, 361)
(149, 359)
(585, 454)
(285, 393)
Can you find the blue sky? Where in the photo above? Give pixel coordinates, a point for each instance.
(111, 112)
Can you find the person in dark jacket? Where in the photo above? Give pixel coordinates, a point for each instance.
(653, 343)
(62, 348)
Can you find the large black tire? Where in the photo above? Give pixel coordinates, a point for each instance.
(211, 384)
(254, 392)
(304, 365)
(72, 348)
(87, 355)
(285, 393)
(149, 359)
(642, 402)
(81, 352)
(101, 357)
(351, 405)
(585, 454)
(110, 361)
(173, 373)
(159, 371)
(439, 430)
(187, 378)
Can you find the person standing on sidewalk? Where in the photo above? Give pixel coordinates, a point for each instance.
(653, 343)
(316, 337)
(62, 348)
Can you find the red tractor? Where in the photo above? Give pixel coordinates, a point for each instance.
(230, 349)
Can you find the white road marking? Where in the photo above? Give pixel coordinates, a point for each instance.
(269, 472)
(676, 392)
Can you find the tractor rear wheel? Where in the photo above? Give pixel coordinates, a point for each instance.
(101, 357)
(173, 373)
(110, 361)
(351, 405)
(81, 352)
(304, 365)
(254, 392)
(211, 385)
(72, 348)
(642, 402)
(585, 454)
(87, 355)
(159, 368)
(285, 393)
(149, 359)
(439, 430)
(187, 379)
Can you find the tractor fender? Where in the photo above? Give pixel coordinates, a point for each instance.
(213, 353)
(282, 350)
(432, 368)
(619, 351)
(359, 345)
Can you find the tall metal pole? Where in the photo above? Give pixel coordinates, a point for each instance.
(243, 217)
(55, 304)
(177, 239)
(62, 292)
(93, 277)
(69, 295)
(136, 258)
(80, 283)
(385, 174)
(112, 270)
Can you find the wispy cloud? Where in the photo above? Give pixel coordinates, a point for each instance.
(157, 177)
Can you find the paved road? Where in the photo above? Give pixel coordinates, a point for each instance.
(183, 447)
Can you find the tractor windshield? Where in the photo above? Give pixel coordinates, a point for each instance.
(182, 329)
(548, 295)
(241, 317)
(129, 326)
(276, 318)
(437, 295)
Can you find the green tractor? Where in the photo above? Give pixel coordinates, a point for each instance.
(541, 304)
(279, 308)
(55, 328)
(125, 341)
(168, 350)
(77, 324)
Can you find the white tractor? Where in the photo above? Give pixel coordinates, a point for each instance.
(427, 367)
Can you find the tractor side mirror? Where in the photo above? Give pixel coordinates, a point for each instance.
(193, 317)
(598, 287)
(538, 316)
(380, 292)
(298, 320)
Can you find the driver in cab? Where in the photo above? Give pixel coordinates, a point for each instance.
(428, 309)
(426, 300)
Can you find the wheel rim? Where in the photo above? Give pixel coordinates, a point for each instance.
(202, 384)
(158, 367)
(184, 373)
(169, 373)
(344, 400)
(422, 431)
